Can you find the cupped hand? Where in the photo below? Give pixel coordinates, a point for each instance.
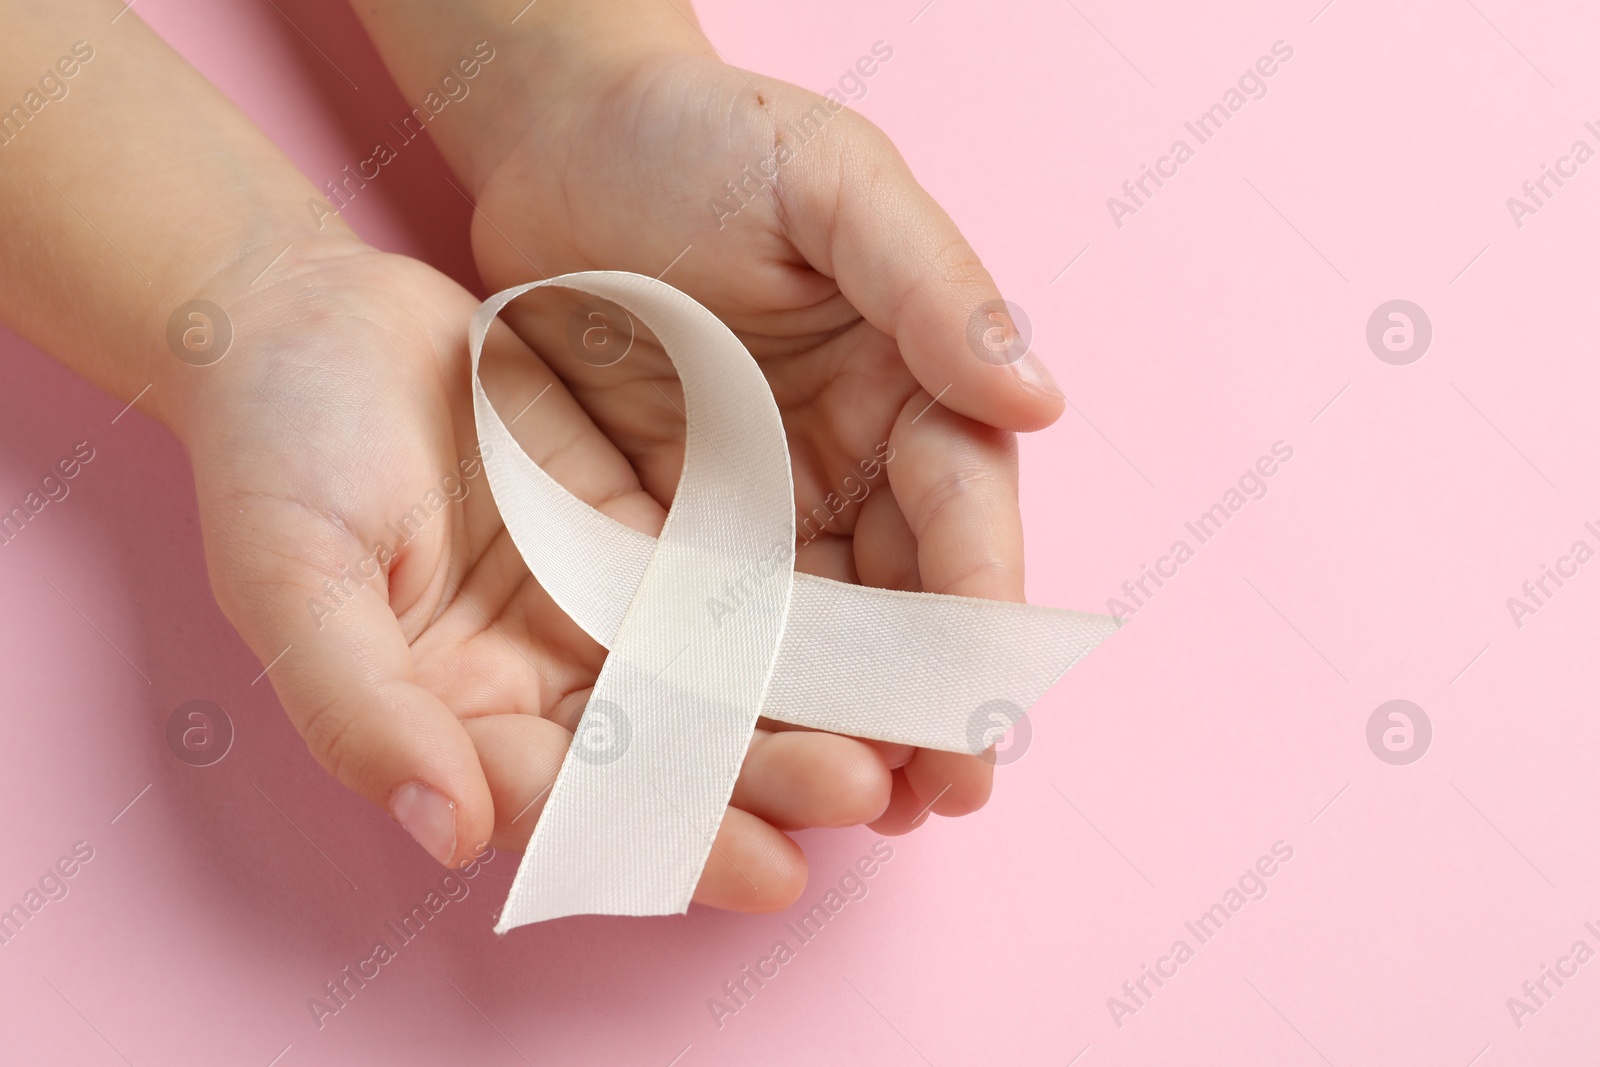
(800, 226)
(352, 539)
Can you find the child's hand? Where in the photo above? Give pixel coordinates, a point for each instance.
(841, 275)
(349, 533)
(339, 430)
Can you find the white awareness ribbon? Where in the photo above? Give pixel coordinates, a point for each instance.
(710, 627)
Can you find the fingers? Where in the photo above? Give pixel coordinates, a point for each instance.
(797, 779)
(906, 810)
(950, 783)
(945, 783)
(885, 548)
(791, 780)
(345, 676)
(792, 777)
(853, 209)
(752, 867)
(552, 427)
(956, 484)
(521, 756)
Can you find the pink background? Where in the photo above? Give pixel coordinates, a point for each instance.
(1228, 715)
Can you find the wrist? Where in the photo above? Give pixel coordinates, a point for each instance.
(488, 81)
(199, 338)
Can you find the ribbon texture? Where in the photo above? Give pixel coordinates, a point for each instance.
(709, 627)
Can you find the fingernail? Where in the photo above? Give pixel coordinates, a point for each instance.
(1031, 369)
(429, 817)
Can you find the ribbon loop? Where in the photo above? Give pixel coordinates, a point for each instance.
(635, 809)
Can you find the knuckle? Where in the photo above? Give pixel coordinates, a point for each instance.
(327, 732)
(960, 265)
(959, 486)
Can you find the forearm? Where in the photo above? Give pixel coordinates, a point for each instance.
(128, 187)
(545, 54)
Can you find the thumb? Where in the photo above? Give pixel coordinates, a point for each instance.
(857, 214)
(343, 671)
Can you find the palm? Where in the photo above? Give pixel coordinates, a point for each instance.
(347, 409)
(828, 275)
(355, 451)
(349, 528)
(631, 193)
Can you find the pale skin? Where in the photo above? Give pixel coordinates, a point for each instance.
(592, 140)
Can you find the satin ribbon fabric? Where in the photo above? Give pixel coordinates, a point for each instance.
(709, 627)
